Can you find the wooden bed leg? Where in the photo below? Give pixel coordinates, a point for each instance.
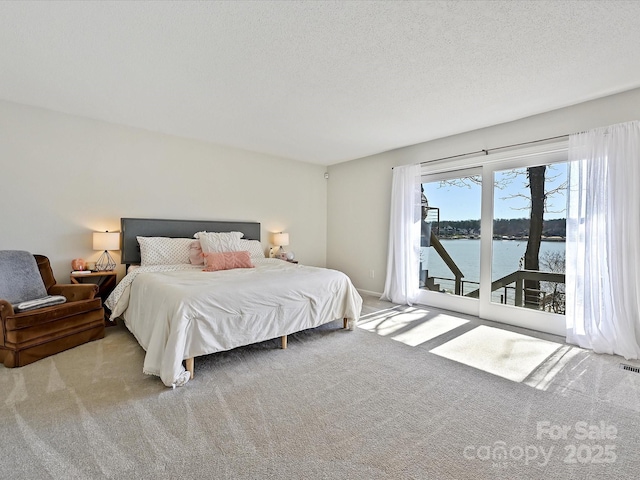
(189, 365)
(345, 323)
(284, 341)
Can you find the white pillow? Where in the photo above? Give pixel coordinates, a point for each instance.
(254, 247)
(219, 242)
(164, 250)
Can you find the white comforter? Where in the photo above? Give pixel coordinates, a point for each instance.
(178, 311)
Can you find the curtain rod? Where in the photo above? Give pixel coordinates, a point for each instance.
(487, 150)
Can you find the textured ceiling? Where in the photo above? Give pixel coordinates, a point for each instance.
(317, 81)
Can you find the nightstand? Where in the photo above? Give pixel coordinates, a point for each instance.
(106, 282)
(292, 261)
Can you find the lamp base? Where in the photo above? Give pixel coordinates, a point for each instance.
(105, 263)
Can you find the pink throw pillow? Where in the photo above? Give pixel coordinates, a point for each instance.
(226, 261)
(195, 253)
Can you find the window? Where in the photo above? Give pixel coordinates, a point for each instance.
(450, 240)
(529, 233)
(493, 236)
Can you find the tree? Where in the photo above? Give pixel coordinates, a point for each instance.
(554, 292)
(538, 205)
(536, 177)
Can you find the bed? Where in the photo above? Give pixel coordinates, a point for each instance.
(178, 312)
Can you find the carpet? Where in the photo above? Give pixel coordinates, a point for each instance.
(334, 404)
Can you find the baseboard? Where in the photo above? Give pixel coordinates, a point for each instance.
(369, 292)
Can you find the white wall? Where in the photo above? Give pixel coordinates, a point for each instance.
(62, 177)
(359, 191)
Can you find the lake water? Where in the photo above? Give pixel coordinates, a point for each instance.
(466, 254)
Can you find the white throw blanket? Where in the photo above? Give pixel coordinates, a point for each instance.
(47, 301)
(179, 311)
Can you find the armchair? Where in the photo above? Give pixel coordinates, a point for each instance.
(27, 336)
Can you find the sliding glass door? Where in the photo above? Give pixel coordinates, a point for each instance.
(529, 231)
(450, 240)
(493, 240)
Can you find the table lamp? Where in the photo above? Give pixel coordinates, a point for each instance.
(280, 240)
(106, 241)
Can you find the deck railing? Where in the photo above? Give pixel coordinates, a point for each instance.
(521, 296)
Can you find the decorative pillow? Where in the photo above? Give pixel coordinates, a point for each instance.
(164, 250)
(219, 241)
(195, 253)
(254, 247)
(226, 261)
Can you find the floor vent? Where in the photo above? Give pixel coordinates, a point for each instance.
(630, 368)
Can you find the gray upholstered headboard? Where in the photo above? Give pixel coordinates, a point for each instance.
(151, 227)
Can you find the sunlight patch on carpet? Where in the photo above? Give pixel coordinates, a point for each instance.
(412, 326)
(507, 354)
(543, 377)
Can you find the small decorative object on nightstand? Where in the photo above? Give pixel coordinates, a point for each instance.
(106, 282)
(78, 264)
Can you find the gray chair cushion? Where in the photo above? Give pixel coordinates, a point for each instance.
(20, 278)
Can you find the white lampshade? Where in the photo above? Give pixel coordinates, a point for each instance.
(106, 240)
(281, 239)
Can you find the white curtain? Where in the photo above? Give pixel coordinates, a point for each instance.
(403, 261)
(603, 240)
